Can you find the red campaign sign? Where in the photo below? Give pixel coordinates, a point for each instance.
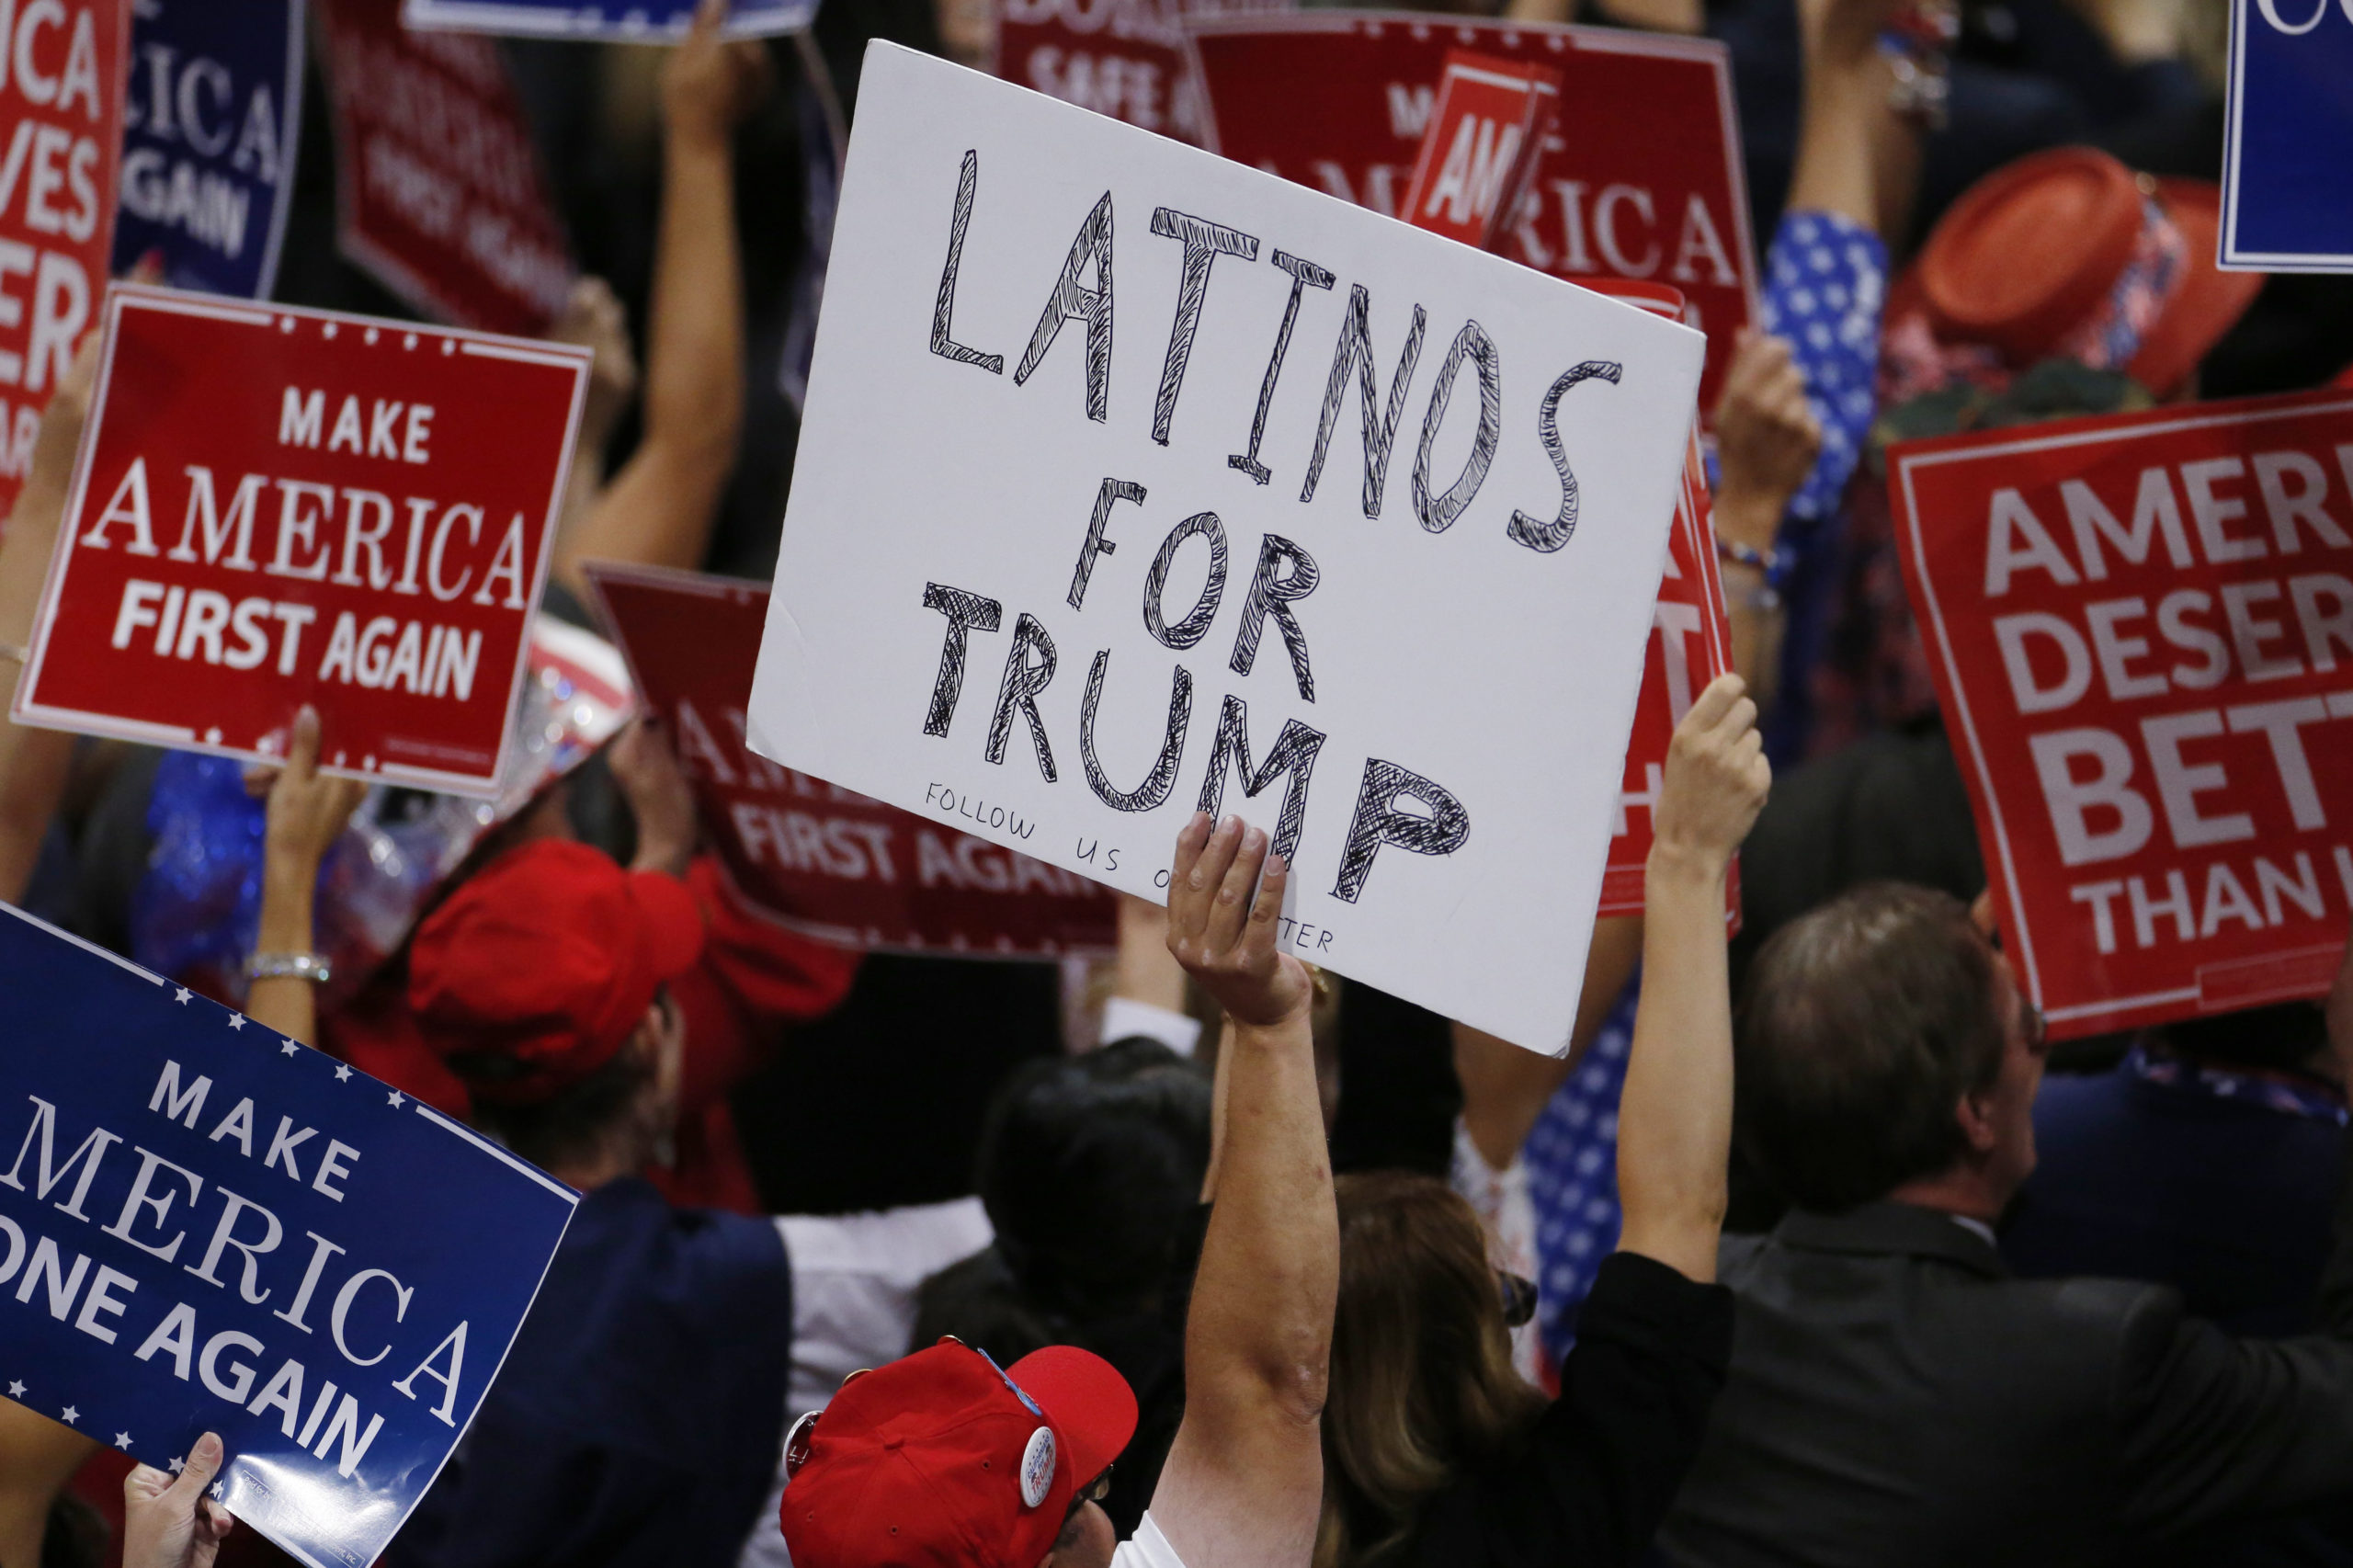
(1488, 126)
(1640, 179)
(2135, 624)
(1691, 645)
(1123, 58)
(817, 858)
(438, 190)
(274, 507)
(60, 112)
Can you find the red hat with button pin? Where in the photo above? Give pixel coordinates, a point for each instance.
(943, 1459)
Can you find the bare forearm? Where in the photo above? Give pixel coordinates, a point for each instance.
(1674, 1120)
(1836, 162)
(1258, 1334)
(659, 509)
(694, 384)
(1220, 1084)
(285, 1003)
(1754, 623)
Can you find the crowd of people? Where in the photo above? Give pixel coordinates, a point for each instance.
(1811, 1249)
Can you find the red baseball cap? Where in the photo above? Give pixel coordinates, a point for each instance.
(538, 968)
(942, 1460)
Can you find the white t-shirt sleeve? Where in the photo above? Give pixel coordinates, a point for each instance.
(854, 1280)
(1146, 1549)
(1123, 1015)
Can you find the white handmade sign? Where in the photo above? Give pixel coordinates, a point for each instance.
(1135, 481)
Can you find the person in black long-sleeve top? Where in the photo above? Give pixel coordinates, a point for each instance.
(1436, 1453)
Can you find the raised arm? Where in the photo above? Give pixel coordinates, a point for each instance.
(33, 763)
(1854, 159)
(658, 510)
(307, 813)
(1675, 1118)
(595, 318)
(1768, 442)
(1243, 1484)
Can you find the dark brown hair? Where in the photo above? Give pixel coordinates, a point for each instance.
(575, 1123)
(1422, 1384)
(1864, 1023)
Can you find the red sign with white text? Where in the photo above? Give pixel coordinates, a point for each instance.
(2135, 624)
(438, 190)
(274, 507)
(1641, 178)
(62, 66)
(1486, 128)
(1691, 645)
(1123, 58)
(818, 858)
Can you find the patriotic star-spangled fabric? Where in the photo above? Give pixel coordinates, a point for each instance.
(1572, 1159)
(1825, 290)
(1826, 285)
(208, 1226)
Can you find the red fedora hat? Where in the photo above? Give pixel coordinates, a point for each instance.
(2069, 252)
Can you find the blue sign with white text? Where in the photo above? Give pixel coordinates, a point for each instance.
(2287, 148)
(205, 1226)
(636, 21)
(210, 116)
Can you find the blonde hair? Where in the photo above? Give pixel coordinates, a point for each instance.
(1422, 1385)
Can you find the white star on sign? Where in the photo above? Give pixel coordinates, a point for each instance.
(72, 1416)
(218, 1487)
(236, 1020)
(182, 996)
(178, 1464)
(393, 1099)
(342, 1072)
(122, 1439)
(288, 1050)
(16, 1390)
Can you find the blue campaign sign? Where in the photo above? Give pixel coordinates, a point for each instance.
(207, 1227)
(210, 117)
(2287, 179)
(635, 21)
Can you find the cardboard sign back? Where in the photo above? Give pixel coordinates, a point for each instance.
(61, 112)
(273, 506)
(1136, 481)
(1641, 179)
(813, 856)
(439, 196)
(2135, 624)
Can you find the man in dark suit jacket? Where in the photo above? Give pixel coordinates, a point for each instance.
(1896, 1397)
